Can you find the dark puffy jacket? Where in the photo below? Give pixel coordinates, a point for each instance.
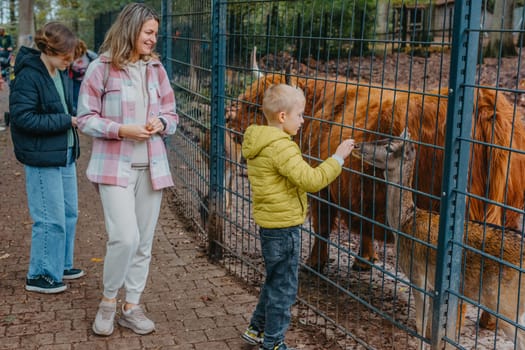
(39, 123)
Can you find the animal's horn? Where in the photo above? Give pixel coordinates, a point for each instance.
(255, 68)
(405, 134)
(288, 73)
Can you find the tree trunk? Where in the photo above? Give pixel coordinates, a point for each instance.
(26, 24)
(12, 12)
(501, 44)
(360, 31)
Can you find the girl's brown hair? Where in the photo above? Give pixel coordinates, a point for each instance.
(122, 36)
(56, 39)
(80, 49)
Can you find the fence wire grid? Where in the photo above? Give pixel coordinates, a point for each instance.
(430, 255)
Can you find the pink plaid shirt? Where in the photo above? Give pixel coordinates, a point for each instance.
(101, 114)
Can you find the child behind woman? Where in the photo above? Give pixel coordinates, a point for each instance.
(43, 129)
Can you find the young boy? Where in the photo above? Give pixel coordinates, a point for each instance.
(279, 179)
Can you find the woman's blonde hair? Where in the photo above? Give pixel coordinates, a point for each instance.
(56, 39)
(121, 37)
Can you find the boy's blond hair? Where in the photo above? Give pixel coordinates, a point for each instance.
(281, 98)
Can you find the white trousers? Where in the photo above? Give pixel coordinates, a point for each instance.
(131, 216)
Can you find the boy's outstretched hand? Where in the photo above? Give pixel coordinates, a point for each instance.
(345, 148)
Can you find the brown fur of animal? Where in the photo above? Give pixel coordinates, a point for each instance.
(338, 109)
(495, 169)
(496, 286)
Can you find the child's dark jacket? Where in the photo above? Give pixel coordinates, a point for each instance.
(39, 123)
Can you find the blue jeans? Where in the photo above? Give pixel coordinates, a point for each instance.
(281, 251)
(53, 204)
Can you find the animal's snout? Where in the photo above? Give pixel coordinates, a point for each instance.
(356, 152)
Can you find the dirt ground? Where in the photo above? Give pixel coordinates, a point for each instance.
(407, 71)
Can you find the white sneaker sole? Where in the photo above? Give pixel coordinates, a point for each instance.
(74, 277)
(251, 341)
(46, 290)
(98, 332)
(124, 323)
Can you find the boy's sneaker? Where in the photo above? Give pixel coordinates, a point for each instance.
(278, 346)
(73, 274)
(253, 336)
(44, 284)
(135, 320)
(103, 324)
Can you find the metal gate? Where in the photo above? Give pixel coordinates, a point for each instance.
(450, 73)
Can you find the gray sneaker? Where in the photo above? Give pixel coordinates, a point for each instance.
(135, 320)
(103, 324)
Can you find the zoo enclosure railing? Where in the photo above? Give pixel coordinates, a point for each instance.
(368, 69)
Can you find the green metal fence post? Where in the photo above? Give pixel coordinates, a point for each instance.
(215, 227)
(467, 16)
(167, 26)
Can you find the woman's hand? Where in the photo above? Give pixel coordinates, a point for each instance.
(141, 132)
(155, 125)
(135, 132)
(74, 122)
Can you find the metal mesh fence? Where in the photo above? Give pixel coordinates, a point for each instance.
(428, 251)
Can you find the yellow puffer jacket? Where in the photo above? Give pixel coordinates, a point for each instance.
(280, 177)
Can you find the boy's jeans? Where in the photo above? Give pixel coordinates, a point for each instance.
(281, 251)
(53, 205)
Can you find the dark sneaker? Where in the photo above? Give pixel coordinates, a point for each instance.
(73, 274)
(135, 320)
(44, 284)
(253, 336)
(278, 346)
(103, 324)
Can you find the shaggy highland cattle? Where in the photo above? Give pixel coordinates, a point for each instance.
(339, 109)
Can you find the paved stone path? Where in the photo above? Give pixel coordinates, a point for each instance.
(194, 303)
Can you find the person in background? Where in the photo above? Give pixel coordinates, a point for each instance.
(2, 87)
(6, 43)
(127, 104)
(79, 66)
(6, 48)
(43, 130)
(280, 178)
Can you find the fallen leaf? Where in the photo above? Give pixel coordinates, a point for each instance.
(97, 260)
(205, 298)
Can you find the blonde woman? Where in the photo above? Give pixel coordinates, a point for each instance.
(127, 104)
